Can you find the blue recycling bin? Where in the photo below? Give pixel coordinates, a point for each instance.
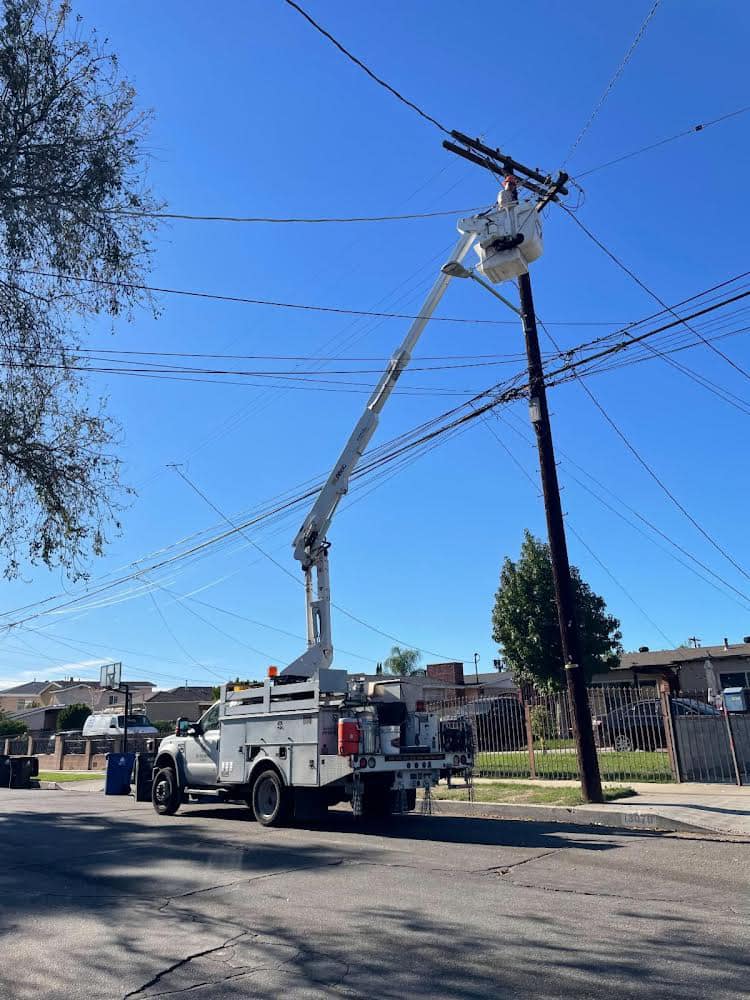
(736, 699)
(119, 772)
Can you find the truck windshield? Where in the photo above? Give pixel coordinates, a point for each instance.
(133, 720)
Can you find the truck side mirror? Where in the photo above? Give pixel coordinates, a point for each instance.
(194, 729)
(181, 727)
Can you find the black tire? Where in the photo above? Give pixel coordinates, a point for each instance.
(166, 795)
(270, 799)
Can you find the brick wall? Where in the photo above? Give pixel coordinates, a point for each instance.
(448, 673)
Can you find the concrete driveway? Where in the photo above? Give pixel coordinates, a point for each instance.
(103, 899)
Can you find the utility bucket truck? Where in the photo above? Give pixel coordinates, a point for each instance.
(313, 736)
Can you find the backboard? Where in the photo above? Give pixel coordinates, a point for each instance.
(110, 675)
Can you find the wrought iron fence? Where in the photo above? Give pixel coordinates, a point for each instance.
(641, 734)
(43, 744)
(533, 738)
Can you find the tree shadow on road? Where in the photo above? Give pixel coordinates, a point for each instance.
(116, 902)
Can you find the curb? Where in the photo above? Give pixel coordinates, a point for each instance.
(613, 818)
(64, 786)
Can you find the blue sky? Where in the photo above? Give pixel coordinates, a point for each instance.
(256, 114)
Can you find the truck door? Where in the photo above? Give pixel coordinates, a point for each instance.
(202, 751)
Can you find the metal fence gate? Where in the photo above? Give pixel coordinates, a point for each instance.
(641, 734)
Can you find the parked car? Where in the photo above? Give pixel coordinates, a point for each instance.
(640, 726)
(497, 724)
(114, 725)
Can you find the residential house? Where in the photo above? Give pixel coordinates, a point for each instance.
(22, 696)
(441, 682)
(40, 721)
(71, 691)
(687, 668)
(186, 702)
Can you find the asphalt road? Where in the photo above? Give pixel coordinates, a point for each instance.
(100, 898)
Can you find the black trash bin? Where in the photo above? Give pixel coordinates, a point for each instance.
(119, 771)
(21, 772)
(4, 771)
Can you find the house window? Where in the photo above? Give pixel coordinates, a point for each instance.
(737, 679)
(113, 699)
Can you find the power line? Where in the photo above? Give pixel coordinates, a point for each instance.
(366, 69)
(631, 274)
(650, 470)
(591, 552)
(287, 572)
(442, 425)
(693, 130)
(617, 497)
(616, 76)
(174, 638)
(298, 220)
(242, 300)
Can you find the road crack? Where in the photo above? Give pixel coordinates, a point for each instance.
(184, 961)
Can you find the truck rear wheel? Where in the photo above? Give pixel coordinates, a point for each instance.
(270, 800)
(166, 796)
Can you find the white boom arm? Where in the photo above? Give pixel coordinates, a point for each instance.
(310, 543)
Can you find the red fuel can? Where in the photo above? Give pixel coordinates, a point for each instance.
(348, 737)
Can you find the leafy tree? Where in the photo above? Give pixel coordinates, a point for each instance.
(525, 623)
(74, 242)
(402, 661)
(11, 727)
(542, 725)
(72, 717)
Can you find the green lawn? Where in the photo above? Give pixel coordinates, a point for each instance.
(69, 776)
(638, 765)
(517, 793)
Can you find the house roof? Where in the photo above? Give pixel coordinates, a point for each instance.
(29, 713)
(31, 687)
(494, 678)
(683, 654)
(83, 682)
(184, 693)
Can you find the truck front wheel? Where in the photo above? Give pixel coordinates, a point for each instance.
(165, 792)
(270, 799)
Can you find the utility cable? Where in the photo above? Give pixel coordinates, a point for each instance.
(693, 130)
(366, 69)
(242, 300)
(631, 274)
(741, 599)
(570, 527)
(616, 76)
(288, 573)
(298, 220)
(650, 470)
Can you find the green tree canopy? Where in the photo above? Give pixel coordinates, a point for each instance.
(75, 241)
(11, 727)
(525, 623)
(402, 661)
(72, 717)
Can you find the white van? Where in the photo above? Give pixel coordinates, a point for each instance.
(114, 725)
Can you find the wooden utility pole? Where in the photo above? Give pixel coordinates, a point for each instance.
(547, 190)
(591, 785)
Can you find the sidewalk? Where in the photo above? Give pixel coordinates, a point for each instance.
(720, 809)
